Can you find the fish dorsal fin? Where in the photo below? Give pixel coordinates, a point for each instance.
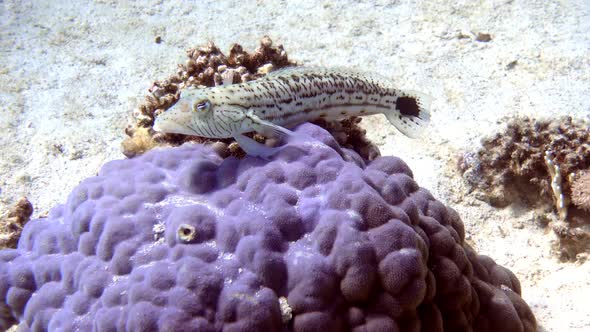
(286, 71)
(341, 71)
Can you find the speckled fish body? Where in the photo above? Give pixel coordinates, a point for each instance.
(289, 97)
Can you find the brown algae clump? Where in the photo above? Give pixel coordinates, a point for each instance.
(13, 221)
(538, 163)
(581, 191)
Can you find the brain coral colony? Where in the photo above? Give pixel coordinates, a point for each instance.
(192, 238)
(540, 163)
(181, 239)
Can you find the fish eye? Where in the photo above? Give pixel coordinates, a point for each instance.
(202, 105)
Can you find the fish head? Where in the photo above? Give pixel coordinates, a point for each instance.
(192, 114)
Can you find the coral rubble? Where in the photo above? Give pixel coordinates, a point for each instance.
(537, 163)
(317, 238)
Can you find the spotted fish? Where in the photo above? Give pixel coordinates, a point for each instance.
(288, 97)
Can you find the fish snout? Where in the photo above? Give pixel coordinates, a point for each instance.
(175, 120)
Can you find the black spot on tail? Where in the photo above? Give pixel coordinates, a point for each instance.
(407, 106)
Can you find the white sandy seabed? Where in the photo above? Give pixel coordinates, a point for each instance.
(71, 74)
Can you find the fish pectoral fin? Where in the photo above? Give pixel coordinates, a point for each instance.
(269, 129)
(253, 148)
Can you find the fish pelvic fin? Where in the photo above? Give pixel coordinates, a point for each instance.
(268, 129)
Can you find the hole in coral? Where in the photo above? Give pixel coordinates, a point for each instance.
(186, 233)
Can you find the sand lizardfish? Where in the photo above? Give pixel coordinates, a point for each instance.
(288, 97)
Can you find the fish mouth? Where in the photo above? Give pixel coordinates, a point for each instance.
(169, 126)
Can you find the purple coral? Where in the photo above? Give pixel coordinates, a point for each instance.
(182, 240)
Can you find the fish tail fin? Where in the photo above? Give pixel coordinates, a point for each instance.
(411, 113)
